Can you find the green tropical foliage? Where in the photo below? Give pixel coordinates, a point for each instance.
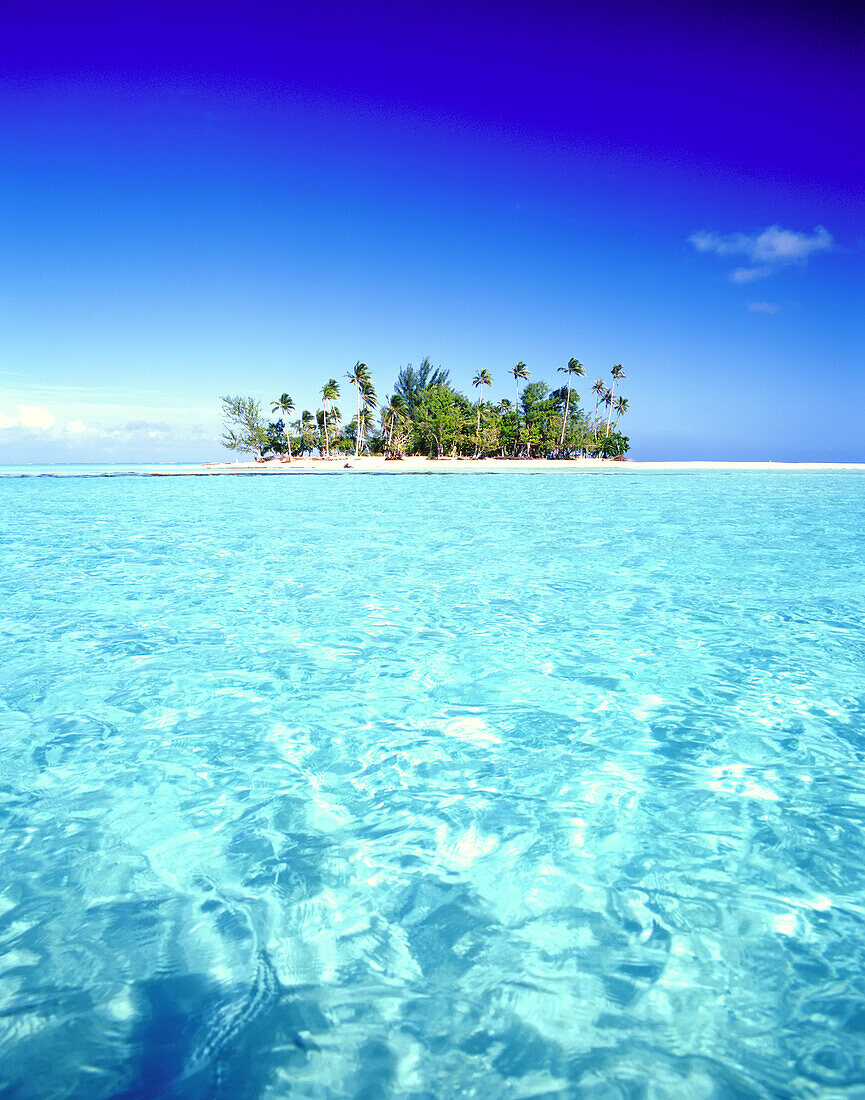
(574, 369)
(329, 394)
(393, 416)
(520, 372)
(245, 429)
(284, 405)
(359, 377)
(609, 398)
(481, 379)
(412, 384)
(426, 415)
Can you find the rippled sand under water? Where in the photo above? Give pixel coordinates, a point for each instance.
(427, 787)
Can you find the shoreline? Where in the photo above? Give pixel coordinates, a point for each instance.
(376, 465)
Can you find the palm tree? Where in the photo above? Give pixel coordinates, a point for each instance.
(617, 372)
(504, 408)
(305, 425)
(621, 406)
(598, 389)
(411, 384)
(608, 404)
(326, 422)
(574, 367)
(519, 371)
(333, 418)
(482, 378)
(392, 412)
(358, 376)
(329, 393)
(284, 405)
(369, 401)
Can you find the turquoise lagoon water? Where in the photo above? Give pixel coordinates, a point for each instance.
(97, 469)
(433, 786)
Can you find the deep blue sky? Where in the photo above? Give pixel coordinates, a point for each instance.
(195, 199)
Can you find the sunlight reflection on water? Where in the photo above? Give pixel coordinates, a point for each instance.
(412, 786)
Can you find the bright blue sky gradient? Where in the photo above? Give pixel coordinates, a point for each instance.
(252, 199)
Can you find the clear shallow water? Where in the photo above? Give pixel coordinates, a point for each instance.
(433, 786)
(95, 469)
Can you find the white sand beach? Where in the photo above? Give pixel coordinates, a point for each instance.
(420, 465)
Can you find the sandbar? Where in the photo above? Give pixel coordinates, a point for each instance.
(422, 465)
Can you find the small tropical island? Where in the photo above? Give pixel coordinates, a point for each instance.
(426, 417)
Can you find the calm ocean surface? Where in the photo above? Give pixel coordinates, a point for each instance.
(433, 786)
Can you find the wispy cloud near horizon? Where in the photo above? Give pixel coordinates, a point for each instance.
(764, 307)
(767, 251)
(25, 433)
(31, 417)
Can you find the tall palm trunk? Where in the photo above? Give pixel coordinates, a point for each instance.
(326, 440)
(567, 407)
(357, 422)
(517, 414)
(610, 409)
(478, 433)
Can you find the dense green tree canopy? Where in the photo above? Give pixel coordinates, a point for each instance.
(426, 415)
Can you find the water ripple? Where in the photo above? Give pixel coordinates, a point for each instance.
(384, 787)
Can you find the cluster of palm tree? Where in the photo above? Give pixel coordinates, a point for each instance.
(367, 400)
(606, 396)
(284, 406)
(573, 369)
(426, 415)
(329, 412)
(328, 417)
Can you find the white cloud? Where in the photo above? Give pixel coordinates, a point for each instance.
(152, 427)
(84, 430)
(33, 417)
(36, 422)
(763, 307)
(765, 252)
(37, 419)
(749, 274)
